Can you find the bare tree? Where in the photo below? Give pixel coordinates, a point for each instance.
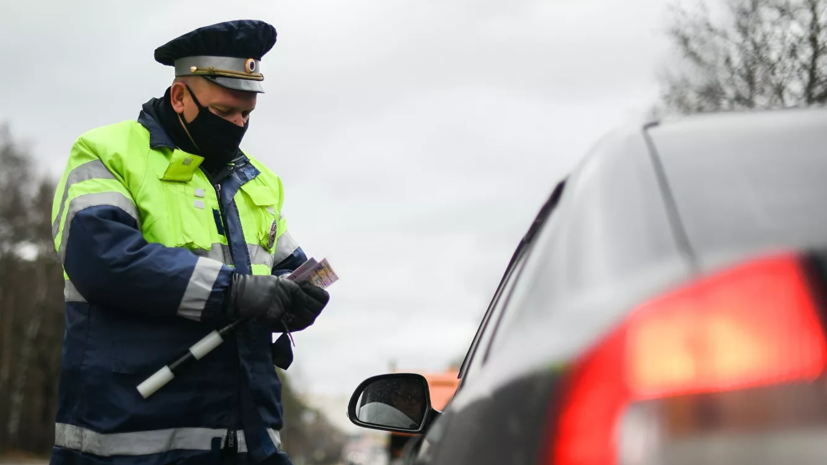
(31, 300)
(13, 227)
(747, 54)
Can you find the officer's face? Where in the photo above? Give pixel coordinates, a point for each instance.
(233, 105)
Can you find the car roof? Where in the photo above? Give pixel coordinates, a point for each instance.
(746, 182)
(733, 123)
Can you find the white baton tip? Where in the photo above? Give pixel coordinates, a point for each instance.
(206, 345)
(155, 382)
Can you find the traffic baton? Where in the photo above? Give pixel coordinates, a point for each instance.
(193, 354)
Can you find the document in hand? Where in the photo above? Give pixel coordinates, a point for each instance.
(319, 274)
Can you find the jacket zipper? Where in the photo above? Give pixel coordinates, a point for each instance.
(221, 213)
(232, 436)
(223, 221)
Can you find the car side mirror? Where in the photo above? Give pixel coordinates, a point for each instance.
(399, 402)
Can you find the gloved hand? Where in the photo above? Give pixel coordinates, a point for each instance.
(272, 301)
(299, 317)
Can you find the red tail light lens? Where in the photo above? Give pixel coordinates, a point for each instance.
(745, 327)
(754, 325)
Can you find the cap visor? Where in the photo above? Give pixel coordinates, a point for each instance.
(237, 84)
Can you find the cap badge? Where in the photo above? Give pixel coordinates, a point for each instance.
(250, 66)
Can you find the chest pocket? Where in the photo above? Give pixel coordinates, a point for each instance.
(191, 218)
(261, 212)
(186, 219)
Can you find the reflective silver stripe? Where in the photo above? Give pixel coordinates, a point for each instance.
(221, 252)
(218, 252)
(259, 255)
(275, 436)
(70, 293)
(92, 170)
(115, 199)
(285, 246)
(199, 288)
(145, 442)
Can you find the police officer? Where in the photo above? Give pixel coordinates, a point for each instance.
(167, 231)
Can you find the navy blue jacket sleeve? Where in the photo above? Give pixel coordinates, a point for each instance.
(289, 264)
(111, 264)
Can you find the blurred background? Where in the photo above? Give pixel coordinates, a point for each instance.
(416, 141)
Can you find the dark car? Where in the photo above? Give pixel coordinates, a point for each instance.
(666, 306)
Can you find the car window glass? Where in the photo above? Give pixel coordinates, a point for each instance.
(492, 305)
(485, 319)
(542, 223)
(610, 222)
(486, 329)
(527, 275)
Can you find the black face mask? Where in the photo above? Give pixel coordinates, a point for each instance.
(216, 138)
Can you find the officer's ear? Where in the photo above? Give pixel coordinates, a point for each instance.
(176, 96)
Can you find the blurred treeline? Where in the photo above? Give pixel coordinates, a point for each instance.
(745, 55)
(32, 324)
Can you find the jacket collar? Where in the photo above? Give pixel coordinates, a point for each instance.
(158, 138)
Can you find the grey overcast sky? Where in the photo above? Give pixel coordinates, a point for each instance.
(416, 139)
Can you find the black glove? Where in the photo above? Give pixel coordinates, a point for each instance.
(267, 299)
(314, 300)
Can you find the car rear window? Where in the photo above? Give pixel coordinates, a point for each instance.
(743, 182)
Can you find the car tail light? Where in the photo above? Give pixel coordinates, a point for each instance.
(690, 366)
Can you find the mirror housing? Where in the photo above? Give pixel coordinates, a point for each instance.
(396, 402)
